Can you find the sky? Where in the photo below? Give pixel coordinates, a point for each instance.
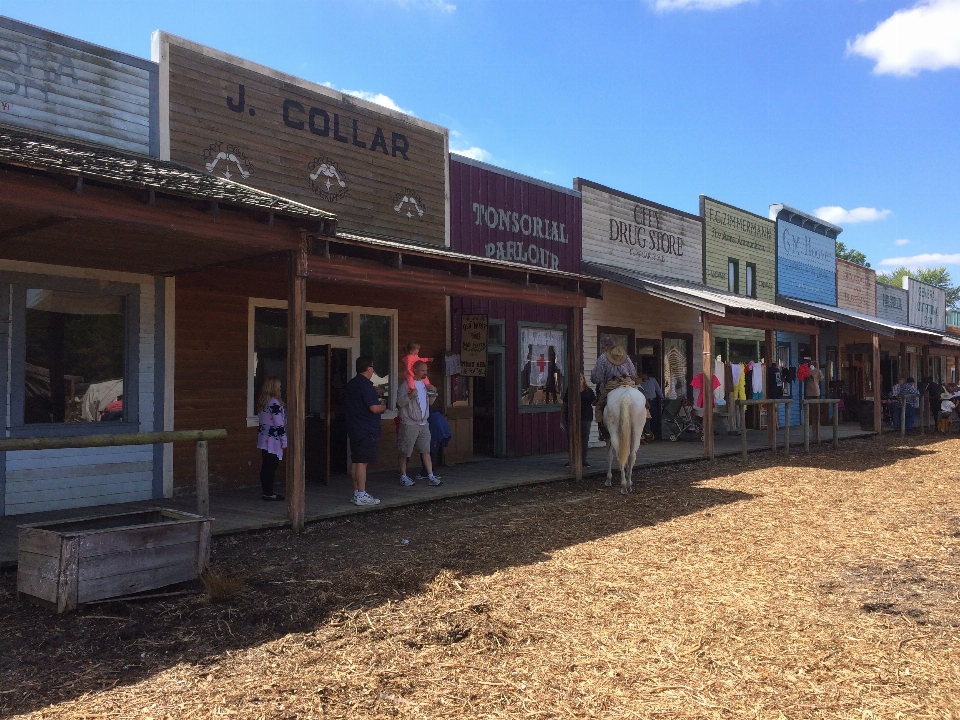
(847, 109)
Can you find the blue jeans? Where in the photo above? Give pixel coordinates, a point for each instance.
(909, 419)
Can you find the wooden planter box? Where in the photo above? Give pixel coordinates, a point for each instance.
(68, 563)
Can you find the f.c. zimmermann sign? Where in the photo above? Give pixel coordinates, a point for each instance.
(732, 235)
(380, 171)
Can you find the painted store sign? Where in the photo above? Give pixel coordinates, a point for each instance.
(806, 263)
(856, 288)
(926, 305)
(892, 303)
(628, 232)
(380, 171)
(741, 239)
(498, 214)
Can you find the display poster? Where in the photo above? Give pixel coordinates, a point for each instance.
(926, 305)
(856, 288)
(473, 345)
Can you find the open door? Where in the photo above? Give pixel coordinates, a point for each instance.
(318, 416)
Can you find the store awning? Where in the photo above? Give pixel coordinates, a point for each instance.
(386, 263)
(725, 307)
(858, 320)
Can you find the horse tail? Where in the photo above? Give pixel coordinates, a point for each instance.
(624, 432)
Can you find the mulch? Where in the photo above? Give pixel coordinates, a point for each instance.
(826, 586)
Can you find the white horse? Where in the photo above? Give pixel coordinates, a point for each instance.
(625, 417)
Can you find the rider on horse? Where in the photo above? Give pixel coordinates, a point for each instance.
(613, 369)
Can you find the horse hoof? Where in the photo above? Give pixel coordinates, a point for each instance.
(608, 483)
(622, 491)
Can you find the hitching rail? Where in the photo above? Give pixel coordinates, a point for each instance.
(771, 417)
(200, 437)
(806, 420)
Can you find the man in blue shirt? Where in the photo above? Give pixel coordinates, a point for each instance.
(363, 410)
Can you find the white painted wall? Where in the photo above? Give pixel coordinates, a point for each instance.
(58, 479)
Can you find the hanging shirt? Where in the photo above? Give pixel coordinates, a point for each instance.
(736, 370)
(774, 383)
(697, 384)
(719, 372)
(757, 378)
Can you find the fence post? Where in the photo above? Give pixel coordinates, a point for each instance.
(786, 427)
(836, 424)
(903, 417)
(743, 429)
(923, 413)
(806, 425)
(203, 480)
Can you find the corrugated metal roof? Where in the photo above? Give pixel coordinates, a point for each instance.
(58, 155)
(694, 295)
(950, 340)
(864, 322)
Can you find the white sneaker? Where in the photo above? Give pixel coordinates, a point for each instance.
(407, 481)
(421, 476)
(364, 499)
(434, 480)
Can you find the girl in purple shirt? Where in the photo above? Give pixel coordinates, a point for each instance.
(272, 437)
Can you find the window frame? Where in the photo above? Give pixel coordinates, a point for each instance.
(735, 276)
(13, 315)
(351, 342)
(521, 408)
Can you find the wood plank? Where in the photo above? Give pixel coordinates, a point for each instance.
(155, 535)
(141, 560)
(37, 575)
(67, 577)
(39, 541)
(134, 582)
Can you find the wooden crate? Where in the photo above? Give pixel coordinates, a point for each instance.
(70, 562)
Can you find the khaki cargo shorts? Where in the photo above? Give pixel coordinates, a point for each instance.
(413, 436)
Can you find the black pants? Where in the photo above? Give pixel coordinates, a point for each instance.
(268, 469)
(586, 424)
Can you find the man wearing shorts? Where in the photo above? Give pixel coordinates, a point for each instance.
(413, 408)
(363, 428)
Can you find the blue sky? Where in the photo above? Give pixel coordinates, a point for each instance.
(848, 105)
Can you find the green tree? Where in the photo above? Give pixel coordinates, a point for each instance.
(940, 277)
(851, 255)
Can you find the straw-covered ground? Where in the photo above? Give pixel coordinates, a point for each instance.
(825, 587)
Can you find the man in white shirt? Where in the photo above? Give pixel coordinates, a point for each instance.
(413, 409)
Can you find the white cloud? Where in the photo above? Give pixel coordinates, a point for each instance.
(901, 241)
(670, 5)
(378, 98)
(925, 260)
(474, 153)
(924, 37)
(838, 216)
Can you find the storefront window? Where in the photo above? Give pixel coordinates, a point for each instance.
(75, 350)
(675, 367)
(375, 342)
(270, 347)
(542, 361)
(336, 324)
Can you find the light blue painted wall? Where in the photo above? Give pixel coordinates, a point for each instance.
(806, 264)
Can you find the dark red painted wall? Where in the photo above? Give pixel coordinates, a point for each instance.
(494, 215)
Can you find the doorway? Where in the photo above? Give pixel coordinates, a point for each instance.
(489, 407)
(325, 426)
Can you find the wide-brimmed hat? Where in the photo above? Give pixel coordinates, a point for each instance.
(616, 355)
(946, 396)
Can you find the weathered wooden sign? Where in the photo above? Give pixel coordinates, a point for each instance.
(738, 239)
(927, 305)
(59, 85)
(856, 287)
(380, 171)
(473, 346)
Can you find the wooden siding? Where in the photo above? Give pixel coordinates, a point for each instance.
(37, 481)
(527, 433)
(506, 218)
(891, 303)
(58, 85)
(379, 182)
(211, 360)
(631, 233)
(732, 233)
(650, 317)
(856, 287)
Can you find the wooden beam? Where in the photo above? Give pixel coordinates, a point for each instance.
(708, 445)
(876, 382)
(354, 271)
(296, 383)
(574, 360)
(763, 323)
(32, 227)
(773, 411)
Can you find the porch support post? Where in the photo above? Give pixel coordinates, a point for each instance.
(574, 361)
(296, 382)
(773, 410)
(707, 392)
(876, 383)
(815, 409)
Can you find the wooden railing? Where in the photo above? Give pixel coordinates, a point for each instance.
(200, 437)
(772, 417)
(806, 420)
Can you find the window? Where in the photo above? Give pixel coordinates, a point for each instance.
(495, 332)
(751, 280)
(624, 337)
(677, 362)
(733, 275)
(375, 341)
(328, 323)
(542, 359)
(75, 357)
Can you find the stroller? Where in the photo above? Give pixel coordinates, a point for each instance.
(680, 418)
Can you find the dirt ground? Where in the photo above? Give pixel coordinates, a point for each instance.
(825, 587)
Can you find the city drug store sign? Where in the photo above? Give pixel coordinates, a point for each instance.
(380, 171)
(630, 233)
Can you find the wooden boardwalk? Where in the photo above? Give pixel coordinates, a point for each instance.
(243, 510)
